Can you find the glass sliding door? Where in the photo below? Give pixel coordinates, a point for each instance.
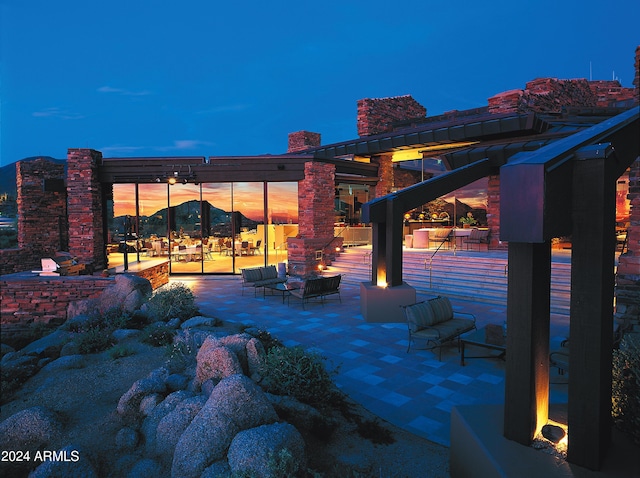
(282, 220)
(248, 215)
(186, 248)
(216, 199)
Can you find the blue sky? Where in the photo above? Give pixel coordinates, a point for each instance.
(167, 78)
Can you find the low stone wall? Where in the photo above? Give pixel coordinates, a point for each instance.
(26, 297)
(157, 274)
(17, 260)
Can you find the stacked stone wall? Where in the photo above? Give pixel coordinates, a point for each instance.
(86, 237)
(301, 140)
(628, 270)
(378, 115)
(493, 213)
(27, 298)
(316, 215)
(42, 207)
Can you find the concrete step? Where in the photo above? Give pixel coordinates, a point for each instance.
(473, 276)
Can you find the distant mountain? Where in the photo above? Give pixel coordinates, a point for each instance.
(188, 217)
(8, 174)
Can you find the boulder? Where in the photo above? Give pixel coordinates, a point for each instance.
(129, 403)
(49, 345)
(121, 335)
(268, 451)
(200, 321)
(67, 362)
(150, 423)
(174, 423)
(127, 439)
(5, 349)
(18, 366)
(145, 468)
(129, 292)
(255, 358)
(218, 469)
(72, 461)
(177, 381)
(216, 362)
(235, 404)
(149, 402)
(70, 348)
(29, 430)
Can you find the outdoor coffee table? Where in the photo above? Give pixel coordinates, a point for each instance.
(479, 339)
(280, 287)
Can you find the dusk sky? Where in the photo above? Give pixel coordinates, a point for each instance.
(161, 78)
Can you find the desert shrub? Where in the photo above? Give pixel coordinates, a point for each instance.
(157, 335)
(625, 407)
(94, 340)
(175, 300)
(120, 350)
(181, 352)
(301, 374)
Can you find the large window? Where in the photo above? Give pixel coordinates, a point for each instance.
(202, 228)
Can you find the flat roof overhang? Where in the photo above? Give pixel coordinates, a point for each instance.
(432, 134)
(216, 169)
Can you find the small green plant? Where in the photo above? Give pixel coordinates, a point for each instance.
(120, 351)
(182, 351)
(94, 340)
(157, 335)
(175, 300)
(625, 395)
(468, 219)
(301, 374)
(282, 464)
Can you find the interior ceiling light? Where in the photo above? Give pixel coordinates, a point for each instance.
(417, 153)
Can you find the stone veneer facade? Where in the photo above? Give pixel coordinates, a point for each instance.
(28, 298)
(378, 115)
(316, 195)
(627, 312)
(301, 140)
(85, 208)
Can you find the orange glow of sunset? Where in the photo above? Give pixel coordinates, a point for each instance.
(247, 198)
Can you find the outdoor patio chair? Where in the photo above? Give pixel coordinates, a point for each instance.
(477, 236)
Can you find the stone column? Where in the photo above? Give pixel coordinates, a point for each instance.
(316, 195)
(86, 237)
(42, 209)
(385, 175)
(493, 213)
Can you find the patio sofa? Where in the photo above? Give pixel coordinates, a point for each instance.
(318, 287)
(435, 322)
(257, 277)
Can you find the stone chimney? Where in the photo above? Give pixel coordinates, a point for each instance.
(301, 140)
(377, 115)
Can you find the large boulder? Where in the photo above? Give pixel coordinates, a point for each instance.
(200, 321)
(174, 423)
(256, 356)
(268, 451)
(29, 430)
(129, 403)
(235, 404)
(216, 361)
(66, 362)
(49, 345)
(129, 292)
(150, 423)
